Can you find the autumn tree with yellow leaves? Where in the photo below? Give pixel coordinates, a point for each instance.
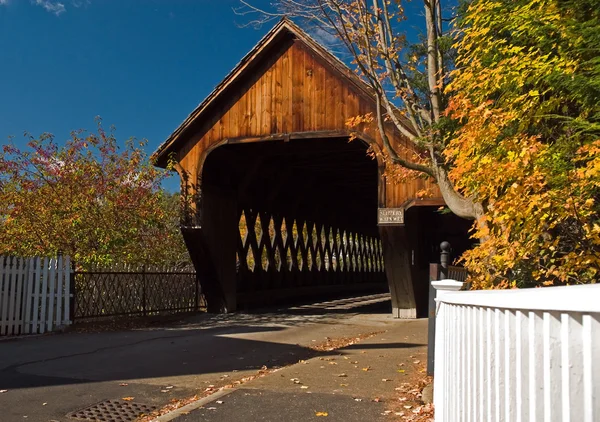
(527, 96)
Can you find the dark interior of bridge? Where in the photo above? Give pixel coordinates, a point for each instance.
(307, 211)
(330, 181)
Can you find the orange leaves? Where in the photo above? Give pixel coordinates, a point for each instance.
(353, 122)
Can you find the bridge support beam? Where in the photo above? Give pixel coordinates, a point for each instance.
(396, 256)
(212, 246)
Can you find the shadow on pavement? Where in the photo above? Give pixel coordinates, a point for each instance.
(142, 354)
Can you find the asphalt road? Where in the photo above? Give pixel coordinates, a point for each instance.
(48, 377)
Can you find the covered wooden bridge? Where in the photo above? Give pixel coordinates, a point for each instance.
(279, 204)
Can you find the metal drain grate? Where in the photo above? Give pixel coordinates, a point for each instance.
(112, 411)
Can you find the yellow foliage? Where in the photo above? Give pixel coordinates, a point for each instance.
(521, 150)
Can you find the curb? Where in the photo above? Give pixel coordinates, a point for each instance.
(193, 406)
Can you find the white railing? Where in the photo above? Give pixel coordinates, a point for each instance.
(35, 295)
(517, 355)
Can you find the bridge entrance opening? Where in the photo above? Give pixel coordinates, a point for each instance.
(305, 218)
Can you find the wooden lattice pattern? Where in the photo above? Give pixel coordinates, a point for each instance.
(272, 247)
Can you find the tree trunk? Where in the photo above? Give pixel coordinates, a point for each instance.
(458, 204)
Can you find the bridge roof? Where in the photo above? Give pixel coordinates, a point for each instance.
(283, 31)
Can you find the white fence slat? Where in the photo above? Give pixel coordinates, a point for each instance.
(44, 295)
(463, 363)
(509, 360)
(37, 288)
(519, 370)
(22, 280)
(51, 295)
(12, 296)
(27, 310)
(3, 296)
(68, 280)
(482, 353)
(565, 326)
(18, 323)
(59, 290)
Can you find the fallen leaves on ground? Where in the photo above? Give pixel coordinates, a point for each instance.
(336, 343)
(175, 404)
(321, 414)
(408, 405)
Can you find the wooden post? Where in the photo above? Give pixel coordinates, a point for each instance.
(212, 246)
(195, 240)
(396, 255)
(197, 293)
(434, 275)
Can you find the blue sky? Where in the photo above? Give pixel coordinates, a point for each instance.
(142, 65)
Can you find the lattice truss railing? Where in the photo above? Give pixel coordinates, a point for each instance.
(273, 244)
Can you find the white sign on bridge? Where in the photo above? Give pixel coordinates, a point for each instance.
(390, 217)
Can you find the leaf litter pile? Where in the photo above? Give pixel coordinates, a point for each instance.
(337, 343)
(408, 405)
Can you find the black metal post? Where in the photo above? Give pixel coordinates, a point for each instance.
(444, 258)
(440, 273)
(72, 292)
(143, 290)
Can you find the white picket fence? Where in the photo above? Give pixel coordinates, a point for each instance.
(517, 355)
(34, 294)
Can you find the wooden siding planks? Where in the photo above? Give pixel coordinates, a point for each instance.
(298, 92)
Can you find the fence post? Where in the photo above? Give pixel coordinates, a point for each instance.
(436, 272)
(144, 290)
(197, 298)
(72, 292)
(434, 275)
(440, 342)
(444, 259)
